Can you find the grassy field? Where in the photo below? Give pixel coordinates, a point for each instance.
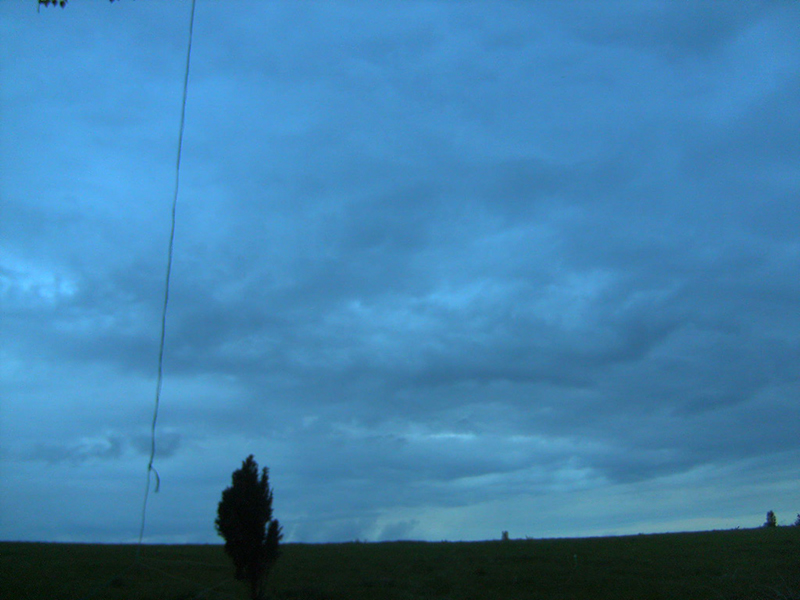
(742, 564)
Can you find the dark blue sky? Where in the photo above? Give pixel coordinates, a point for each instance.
(446, 268)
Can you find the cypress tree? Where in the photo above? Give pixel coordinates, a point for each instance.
(244, 520)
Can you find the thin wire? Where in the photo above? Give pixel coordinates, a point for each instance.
(159, 379)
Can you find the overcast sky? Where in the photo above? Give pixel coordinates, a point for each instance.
(446, 268)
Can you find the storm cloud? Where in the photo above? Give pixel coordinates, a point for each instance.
(446, 268)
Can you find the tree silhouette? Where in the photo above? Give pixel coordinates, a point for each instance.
(772, 520)
(244, 520)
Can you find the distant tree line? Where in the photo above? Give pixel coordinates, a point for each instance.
(772, 520)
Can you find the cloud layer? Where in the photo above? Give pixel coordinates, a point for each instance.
(445, 269)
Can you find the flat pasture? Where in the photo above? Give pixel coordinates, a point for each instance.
(752, 564)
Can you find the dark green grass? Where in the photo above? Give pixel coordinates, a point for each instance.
(722, 565)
